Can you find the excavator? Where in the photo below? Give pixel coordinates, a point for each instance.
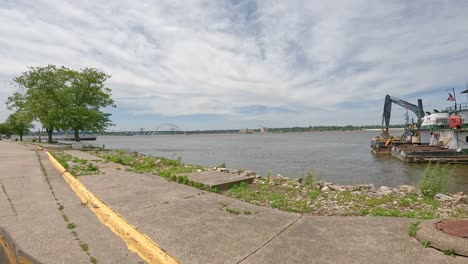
(383, 144)
(416, 109)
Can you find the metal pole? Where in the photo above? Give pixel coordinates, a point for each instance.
(455, 97)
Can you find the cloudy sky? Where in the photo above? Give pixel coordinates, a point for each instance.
(230, 64)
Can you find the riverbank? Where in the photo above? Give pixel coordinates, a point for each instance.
(301, 195)
(343, 158)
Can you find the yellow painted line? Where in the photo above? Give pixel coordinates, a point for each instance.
(136, 241)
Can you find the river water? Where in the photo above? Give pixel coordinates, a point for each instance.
(341, 157)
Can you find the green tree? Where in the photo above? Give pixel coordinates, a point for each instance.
(20, 123)
(40, 93)
(63, 98)
(5, 129)
(85, 95)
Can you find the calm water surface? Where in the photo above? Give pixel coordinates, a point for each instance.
(341, 157)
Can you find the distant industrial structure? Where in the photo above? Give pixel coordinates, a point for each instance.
(263, 129)
(245, 131)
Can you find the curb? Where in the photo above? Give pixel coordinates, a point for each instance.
(136, 241)
(428, 232)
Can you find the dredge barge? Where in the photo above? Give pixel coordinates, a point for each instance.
(440, 136)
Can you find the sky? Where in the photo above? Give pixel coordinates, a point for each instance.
(231, 64)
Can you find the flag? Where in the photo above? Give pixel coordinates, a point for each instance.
(450, 98)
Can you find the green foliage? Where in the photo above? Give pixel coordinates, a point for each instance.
(165, 174)
(309, 179)
(449, 252)
(435, 179)
(62, 98)
(6, 129)
(33, 140)
(116, 159)
(20, 122)
(426, 244)
(71, 225)
(314, 194)
(77, 160)
(413, 229)
(180, 179)
(84, 247)
(61, 158)
(92, 167)
(39, 92)
(78, 166)
(233, 210)
(222, 165)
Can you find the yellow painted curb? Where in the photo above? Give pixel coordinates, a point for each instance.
(136, 241)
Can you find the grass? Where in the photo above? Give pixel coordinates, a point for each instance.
(71, 225)
(75, 165)
(265, 195)
(309, 180)
(435, 179)
(84, 247)
(222, 165)
(166, 168)
(413, 229)
(449, 252)
(233, 211)
(93, 260)
(308, 199)
(426, 244)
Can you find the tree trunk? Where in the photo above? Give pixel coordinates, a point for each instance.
(49, 134)
(77, 135)
(21, 136)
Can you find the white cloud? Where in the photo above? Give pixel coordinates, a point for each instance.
(214, 57)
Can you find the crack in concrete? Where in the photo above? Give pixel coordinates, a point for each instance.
(84, 246)
(8, 198)
(271, 239)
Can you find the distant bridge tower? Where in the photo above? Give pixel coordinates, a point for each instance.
(160, 129)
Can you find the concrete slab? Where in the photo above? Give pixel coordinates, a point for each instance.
(216, 179)
(38, 226)
(143, 193)
(44, 237)
(102, 243)
(357, 240)
(83, 155)
(200, 230)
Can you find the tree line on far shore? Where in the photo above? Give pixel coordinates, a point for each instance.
(60, 99)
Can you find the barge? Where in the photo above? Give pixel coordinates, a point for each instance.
(441, 136)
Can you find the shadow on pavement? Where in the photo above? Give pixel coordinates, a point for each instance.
(10, 253)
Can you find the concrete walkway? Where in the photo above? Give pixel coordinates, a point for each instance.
(195, 226)
(36, 206)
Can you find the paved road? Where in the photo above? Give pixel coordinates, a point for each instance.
(36, 206)
(195, 227)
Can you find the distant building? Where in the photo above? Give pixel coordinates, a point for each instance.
(263, 130)
(245, 131)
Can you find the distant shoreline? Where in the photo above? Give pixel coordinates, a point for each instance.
(250, 132)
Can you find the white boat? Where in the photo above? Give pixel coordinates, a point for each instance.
(447, 128)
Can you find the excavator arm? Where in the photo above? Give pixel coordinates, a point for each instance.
(389, 100)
